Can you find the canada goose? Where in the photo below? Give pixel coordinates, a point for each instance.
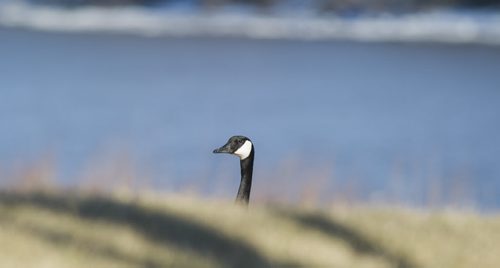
(242, 147)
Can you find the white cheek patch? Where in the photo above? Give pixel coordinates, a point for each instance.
(244, 151)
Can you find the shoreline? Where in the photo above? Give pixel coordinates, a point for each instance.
(447, 27)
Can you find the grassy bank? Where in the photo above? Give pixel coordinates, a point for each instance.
(76, 230)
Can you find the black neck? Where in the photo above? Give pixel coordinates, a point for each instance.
(246, 179)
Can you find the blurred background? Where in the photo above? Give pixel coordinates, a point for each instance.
(346, 101)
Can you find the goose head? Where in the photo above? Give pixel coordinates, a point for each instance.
(240, 146)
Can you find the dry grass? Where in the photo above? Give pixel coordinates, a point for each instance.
(78, 230)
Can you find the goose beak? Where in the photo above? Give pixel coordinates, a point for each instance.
(223, 149)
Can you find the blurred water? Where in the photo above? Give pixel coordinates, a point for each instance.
(369, 111)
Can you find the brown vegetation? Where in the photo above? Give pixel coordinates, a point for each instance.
(88, 230)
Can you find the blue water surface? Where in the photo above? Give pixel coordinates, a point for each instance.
(424, 114)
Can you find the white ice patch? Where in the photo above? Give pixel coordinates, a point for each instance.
(438, 26)
(244, 151)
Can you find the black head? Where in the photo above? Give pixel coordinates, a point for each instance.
(240, 146)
